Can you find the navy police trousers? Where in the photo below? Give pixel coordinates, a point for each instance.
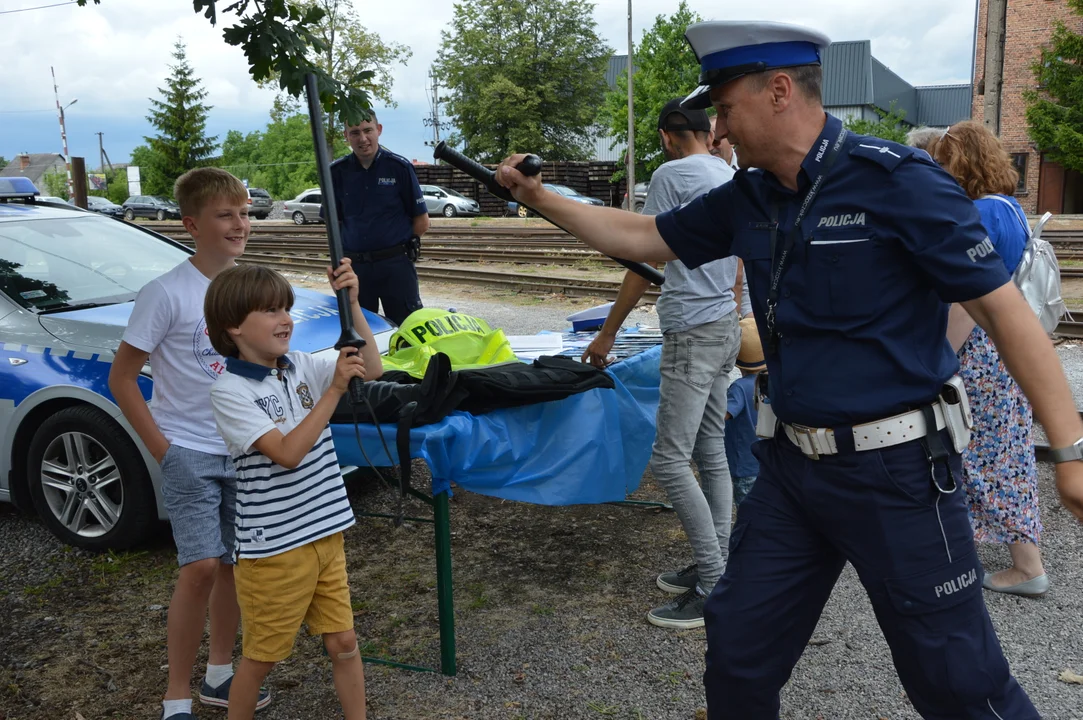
(392, 281)
(912, 547)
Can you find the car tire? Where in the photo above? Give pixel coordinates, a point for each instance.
(129, 214)
(639, 207)
(76, 505)
(449, 211)
(160, 215)
(522, 211)
(298, 218)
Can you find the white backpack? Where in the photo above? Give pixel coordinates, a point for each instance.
(1038, 274)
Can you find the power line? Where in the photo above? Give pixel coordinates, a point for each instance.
(39, 7)
(12, 112)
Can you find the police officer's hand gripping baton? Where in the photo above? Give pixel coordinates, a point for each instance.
(531, 165)
(349, 336)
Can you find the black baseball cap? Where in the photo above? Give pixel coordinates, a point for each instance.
(692, 119)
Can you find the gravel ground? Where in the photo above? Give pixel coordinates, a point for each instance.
(549, 611)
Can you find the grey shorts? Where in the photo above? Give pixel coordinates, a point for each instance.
(200, 494)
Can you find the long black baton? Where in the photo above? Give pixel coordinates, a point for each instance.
(349, 336)
(531, 165)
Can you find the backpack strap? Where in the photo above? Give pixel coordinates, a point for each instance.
(1021, 218)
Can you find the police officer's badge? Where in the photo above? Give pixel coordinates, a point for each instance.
(306, 396)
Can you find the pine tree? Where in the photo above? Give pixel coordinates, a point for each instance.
(181, 119)
(1055, 111)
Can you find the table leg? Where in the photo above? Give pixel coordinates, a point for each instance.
(444, 592)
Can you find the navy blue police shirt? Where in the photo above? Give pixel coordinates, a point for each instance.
(377, 206)
(888, 240)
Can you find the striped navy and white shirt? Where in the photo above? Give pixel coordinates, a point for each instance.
(279, 509)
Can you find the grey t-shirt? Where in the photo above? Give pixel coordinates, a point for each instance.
(691, 297)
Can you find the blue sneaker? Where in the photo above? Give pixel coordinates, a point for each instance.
(219, 696)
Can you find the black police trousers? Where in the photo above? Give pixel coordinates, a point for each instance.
(913, 549)
(392, 282)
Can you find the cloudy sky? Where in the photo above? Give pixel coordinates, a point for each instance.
(113, 57)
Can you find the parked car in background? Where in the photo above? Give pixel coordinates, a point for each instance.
(154, 207)
(260, 203)
(515, 208)
(641, 196)
(447, 202)
(67, 288)
(102, 205)
(305, 208)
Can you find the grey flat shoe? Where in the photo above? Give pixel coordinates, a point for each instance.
(1035, 587)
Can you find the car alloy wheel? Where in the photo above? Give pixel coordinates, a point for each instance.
(522, 211)
(298, 218)
(449, 210)
(129, 214)
(160, 215)
(88, 480)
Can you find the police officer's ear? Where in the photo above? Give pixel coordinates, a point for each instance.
(781, 89)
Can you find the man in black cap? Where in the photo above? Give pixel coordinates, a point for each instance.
(698, 318)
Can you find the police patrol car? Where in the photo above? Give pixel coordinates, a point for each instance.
(68, 279)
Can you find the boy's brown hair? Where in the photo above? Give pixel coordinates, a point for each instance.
(195, 188)
(234, 294)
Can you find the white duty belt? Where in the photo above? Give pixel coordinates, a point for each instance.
(877, 435)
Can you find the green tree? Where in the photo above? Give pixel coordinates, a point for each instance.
(665, 67)
(152, 180)
(348, 49)
(524, 75)
(276, 37)
(1055, 114)
(56, 184)
(889, 126)
(181, 119)
(3, 162)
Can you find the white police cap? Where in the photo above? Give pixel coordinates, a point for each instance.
(729, 50)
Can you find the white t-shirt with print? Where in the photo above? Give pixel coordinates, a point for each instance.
(279, 509)
(167, 322)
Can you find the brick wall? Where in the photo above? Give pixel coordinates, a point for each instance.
(1028, 27)
(588, 178)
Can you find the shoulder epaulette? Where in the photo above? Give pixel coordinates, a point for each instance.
(396, 156)
(886, 154)
(340, 160)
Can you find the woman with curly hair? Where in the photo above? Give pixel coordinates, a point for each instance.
(1001, 474)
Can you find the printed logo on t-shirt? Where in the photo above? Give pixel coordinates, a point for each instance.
(257, 535)
(209, 359)
(273, 408)
(306, 396)
(386, 181)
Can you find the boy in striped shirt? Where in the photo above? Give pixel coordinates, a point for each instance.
(272, 408)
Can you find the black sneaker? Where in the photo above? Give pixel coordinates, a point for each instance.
(684, 613)
(679, 582)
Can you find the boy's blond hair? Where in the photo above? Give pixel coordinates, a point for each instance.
(195, 188)
(234, 294)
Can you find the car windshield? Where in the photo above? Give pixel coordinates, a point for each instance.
(449, 191)
(81, 261)
(164, 200)
(564, 190)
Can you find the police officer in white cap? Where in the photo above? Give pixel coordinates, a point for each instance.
(854, 248)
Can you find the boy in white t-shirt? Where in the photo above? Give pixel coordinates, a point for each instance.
(198, 483)
(272, 407)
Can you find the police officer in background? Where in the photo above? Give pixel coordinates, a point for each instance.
(383, 216)
(854, 246)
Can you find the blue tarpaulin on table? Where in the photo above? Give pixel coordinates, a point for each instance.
(587, 448)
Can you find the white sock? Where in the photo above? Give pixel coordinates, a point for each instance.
(176, 707)
(218, 674)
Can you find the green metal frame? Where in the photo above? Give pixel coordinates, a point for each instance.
(445, 600)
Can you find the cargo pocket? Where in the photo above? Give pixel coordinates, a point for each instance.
(943, 637)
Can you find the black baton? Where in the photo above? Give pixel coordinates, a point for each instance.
(349, 336)
(531, 165)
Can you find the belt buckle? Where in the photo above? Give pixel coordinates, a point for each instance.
(809, 433)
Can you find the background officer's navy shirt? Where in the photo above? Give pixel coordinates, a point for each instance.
(376, 206)
(888, 240)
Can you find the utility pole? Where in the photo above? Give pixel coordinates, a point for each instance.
(631, 121)
(434, 118)
(63, 132)
(101, 151)
(995, 25)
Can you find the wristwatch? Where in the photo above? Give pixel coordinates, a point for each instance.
(1068, 454)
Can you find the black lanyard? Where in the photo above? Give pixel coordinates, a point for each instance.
(778, 259)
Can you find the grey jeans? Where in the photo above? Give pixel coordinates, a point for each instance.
(691, 426)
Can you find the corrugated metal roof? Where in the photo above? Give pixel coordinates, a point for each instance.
(888, 88)
(617, 65)
(943, 105)
(848, 73)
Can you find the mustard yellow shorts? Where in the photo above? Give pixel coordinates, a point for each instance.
(276, 594)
